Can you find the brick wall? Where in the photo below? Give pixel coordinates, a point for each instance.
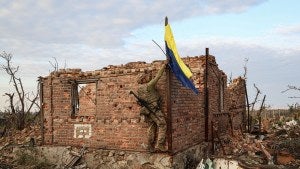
(218, 97)
(237, 101)
(112, 120)
(187, 109)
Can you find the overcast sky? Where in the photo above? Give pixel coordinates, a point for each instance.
(93, 34)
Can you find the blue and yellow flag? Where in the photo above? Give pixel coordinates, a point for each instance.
(181, 71)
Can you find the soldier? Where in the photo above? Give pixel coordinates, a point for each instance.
(152, 112)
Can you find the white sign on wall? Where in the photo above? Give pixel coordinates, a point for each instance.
(82, 130)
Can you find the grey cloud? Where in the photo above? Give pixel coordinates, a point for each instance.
(228, 6)
(34, 57)
(89, 35)
(98, 23)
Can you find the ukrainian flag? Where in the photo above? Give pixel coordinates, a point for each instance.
(181, 71)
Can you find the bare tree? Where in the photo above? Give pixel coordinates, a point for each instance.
(20, 102)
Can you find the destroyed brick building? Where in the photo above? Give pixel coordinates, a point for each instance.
(94, 109)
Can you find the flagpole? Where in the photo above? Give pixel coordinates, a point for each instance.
(169, 103)
(166, 23)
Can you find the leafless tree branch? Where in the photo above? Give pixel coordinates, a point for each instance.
(256, 96)
(290, 87)
(32, 102)
(11, 102)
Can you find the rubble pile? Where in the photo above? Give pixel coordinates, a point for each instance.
(277, 147)
(16, 137)
(29, 136)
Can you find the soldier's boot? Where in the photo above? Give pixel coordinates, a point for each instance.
(151, 149)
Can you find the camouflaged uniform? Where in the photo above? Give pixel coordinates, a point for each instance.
(155, 117)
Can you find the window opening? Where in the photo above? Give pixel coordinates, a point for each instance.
(83, 95)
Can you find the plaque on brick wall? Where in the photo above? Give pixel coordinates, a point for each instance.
(82, 130)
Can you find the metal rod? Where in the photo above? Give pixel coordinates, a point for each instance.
(248, 106)
(159, 47)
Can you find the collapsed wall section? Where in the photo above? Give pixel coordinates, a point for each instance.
(237, 102)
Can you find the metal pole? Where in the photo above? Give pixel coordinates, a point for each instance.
(41, 85)
(248, 106)
(206, 94)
